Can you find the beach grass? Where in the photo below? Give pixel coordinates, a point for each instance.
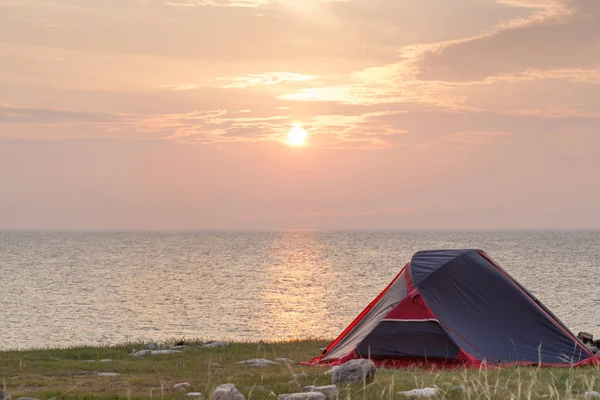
(73, 373)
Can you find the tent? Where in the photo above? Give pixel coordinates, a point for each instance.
(450, 308)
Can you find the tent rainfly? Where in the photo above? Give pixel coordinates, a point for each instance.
(449, 308)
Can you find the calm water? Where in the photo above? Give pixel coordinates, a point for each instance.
(61, 289)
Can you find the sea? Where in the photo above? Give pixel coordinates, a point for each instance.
(62, 289)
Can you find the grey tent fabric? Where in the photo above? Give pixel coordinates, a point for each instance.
(487, 314)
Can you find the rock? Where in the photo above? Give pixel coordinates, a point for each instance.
(585, 337)
(4, 395)
(258, 362)
(302, 396)
(591, 395)
(142, 353)
(26, 398)
(227, 391)
(285, 361)
(106, 360)
(107, 374)
(360, 371)
(425, 392)
(329, 391)
(214, 344)
(181, 386)
(158, 352)
(194, 394)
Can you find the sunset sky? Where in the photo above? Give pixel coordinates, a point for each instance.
(174, 114)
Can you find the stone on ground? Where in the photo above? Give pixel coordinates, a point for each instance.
(302, 396)
(4, 395)
(107, 374)
(258, 362)
(194, 394)
(427, 392)
(142, 353)
(360, 371)
(591, 395)
(214, 344)
(227, 391)
(181, 386)
(329, 391)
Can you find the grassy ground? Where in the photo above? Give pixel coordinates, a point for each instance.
(73, 374)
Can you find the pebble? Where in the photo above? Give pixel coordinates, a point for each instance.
(107, 374)
(330, 391)
(425, 392)
(181, 386)
(214, 344)
(258, 362)
(302, 396)
(142, 353)
(227, 391)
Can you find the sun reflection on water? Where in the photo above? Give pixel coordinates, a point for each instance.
(295, 287)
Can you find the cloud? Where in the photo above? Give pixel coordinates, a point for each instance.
(265, 79)
(181, 86)
(560, 38)
(14, 115)
(218, 3)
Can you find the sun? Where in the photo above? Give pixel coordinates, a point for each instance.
(297, 135)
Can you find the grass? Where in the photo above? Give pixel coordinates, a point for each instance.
(73, 374)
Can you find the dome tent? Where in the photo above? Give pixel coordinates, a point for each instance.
(451, 308)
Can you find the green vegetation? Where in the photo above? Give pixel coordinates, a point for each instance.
(73, 374)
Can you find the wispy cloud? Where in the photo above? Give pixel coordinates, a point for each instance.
(218, 3)
(268, 78)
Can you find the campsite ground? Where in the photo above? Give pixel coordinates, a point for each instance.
(74, 373)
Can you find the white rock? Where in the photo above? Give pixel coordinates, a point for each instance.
(285, 361)
(194, 394)
(106, 360)
(181, 386)
(158, 352)
(361, 371)
(425, 392)
(215, 344)
(591, 395)
(302, 396)
(142, 353)
(258, 362)
(329, 391)
(227, 391)
(107, 374)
